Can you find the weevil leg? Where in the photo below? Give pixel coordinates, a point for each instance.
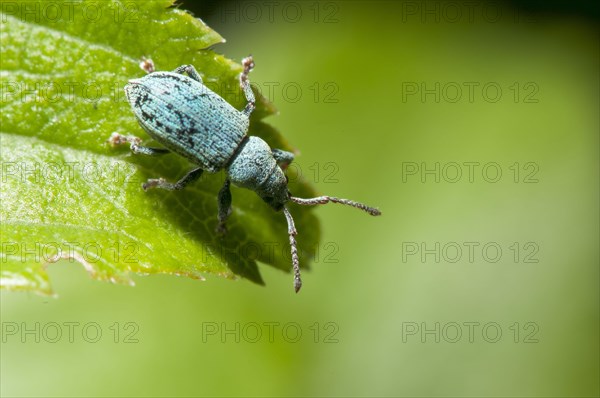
(248, 64)
(190, 70)
(283, 158)
(169, 186)
(224, 202)
(134, 142)
(146, 150)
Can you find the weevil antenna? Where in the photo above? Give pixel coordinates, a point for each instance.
(294, 249)
(321, 200)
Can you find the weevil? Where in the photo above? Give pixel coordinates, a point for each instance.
(178, 111)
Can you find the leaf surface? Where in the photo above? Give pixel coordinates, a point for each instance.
(68, 196)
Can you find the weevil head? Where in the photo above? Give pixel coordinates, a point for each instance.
(275, 190)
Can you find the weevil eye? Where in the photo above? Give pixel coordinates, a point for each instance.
(287, 179)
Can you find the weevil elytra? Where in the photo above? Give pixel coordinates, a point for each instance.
(187, 118)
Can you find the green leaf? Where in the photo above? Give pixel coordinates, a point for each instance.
(66, 195)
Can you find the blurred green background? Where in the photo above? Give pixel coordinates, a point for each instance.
(413, 107)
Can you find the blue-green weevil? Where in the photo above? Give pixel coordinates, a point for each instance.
(187, 118)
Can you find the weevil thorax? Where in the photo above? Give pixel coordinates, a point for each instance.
(253, 167)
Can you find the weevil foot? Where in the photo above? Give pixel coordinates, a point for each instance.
(134, 142)
(119, 139)
(147, 65)
(169, 186)
(248, 64)
(158, 183)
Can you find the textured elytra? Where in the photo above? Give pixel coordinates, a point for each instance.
(187, 118)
